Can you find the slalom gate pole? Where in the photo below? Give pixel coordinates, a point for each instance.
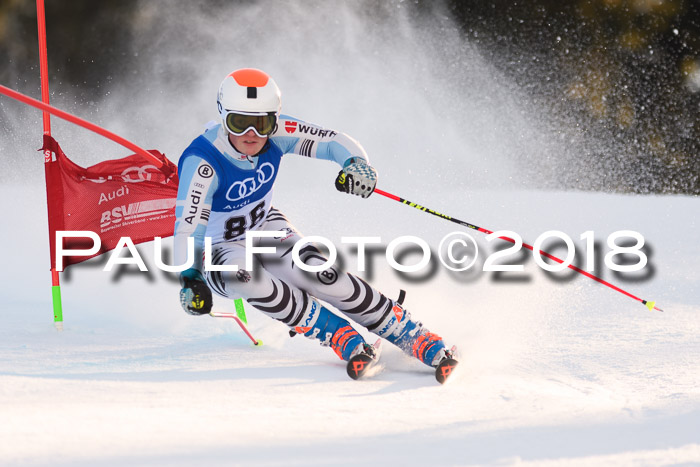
(240, 310)
(649, 304)
(48, 160)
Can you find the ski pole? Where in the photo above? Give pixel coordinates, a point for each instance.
(217, 314)
(649, 304)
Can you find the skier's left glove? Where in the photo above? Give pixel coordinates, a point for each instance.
(195, 295)
(357, 177)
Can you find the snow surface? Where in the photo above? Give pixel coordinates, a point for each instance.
(552, 373)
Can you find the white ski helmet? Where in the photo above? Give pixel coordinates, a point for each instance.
(249, 92)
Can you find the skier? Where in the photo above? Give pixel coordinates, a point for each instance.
(226, 180)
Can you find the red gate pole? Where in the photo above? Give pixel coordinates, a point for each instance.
(48, 160)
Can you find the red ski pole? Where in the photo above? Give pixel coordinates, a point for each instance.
(650, 305)
(217, 314)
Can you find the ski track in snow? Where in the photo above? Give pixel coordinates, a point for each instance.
(567, 373)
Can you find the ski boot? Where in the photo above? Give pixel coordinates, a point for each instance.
(410, 336)
(332, 330)
(415, 340)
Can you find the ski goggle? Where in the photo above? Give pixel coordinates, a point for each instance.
(239, 123)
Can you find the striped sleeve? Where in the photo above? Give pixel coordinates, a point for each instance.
(295, 136)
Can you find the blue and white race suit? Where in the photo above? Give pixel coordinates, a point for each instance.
(223, 194)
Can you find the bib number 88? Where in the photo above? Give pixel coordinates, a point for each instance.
(237, 226)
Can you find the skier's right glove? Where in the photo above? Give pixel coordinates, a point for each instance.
(195, 295)
(357, 177)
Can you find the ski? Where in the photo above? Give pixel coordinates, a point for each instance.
(360, 364)
(446, 366)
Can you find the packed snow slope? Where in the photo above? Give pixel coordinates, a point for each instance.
(553, 372)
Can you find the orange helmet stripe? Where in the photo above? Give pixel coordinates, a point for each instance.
(250, 77)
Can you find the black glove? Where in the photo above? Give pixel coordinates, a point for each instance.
(195, 296)
(357, 177)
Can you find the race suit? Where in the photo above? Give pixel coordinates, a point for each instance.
(224, 194)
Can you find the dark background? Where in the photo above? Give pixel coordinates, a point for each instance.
(627, 70)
